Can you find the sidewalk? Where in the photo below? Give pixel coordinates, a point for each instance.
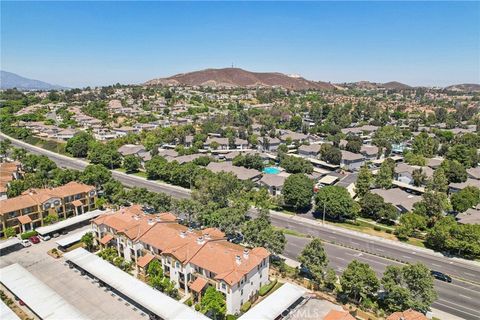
(371, 237)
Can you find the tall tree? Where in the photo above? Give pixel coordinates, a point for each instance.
(336, 202)
(384, 176)
(359, 281)
(364, 181)
(298, 191)
(313, 257)
(408, 287)
(213, 303)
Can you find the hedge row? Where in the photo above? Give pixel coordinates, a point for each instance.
(28, 234)
(266, 288)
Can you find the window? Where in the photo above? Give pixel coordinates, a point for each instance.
(241, 293)
(224, 286)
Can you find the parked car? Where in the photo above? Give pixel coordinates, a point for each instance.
(305, 272)
(56, 235)
(64, 232)
(441, 276)
(34, 239)
(26, 243)
(45, 238)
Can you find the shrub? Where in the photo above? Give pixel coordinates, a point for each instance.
(389, 231)
(197, 307)
(246, 306)
(28, 234)
(230, 317)
(266, 288)
(377, 228)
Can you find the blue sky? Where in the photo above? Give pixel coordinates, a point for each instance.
(99, 43)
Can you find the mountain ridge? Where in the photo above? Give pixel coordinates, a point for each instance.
(10, 80)
(236, 77)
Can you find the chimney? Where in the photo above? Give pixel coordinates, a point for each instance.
(238, 259)
(206, 236)
(246, 252)
(200, 240)
(190, 230)
(183, 234)
(151, 222)
(158, 219)
(136, 217)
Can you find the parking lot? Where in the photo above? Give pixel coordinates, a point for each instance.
(80, 291)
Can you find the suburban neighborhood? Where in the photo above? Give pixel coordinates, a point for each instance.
(162, 181)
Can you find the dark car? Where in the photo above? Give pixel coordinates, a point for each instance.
(440, 276)
(34, 239)
(305, 272)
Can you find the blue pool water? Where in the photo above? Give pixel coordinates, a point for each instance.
(271, 170)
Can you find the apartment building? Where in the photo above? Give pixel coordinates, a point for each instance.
(28, 211)
(192, 259)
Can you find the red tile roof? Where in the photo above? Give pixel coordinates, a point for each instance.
(338, 315)
(198, 284)
(106, 239)
(145, 260)
(407, 315)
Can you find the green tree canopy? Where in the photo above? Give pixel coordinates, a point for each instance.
(337, 202)
(78, 145)
(298, 191)
(408, 287)
(359, 281)
(313, 257)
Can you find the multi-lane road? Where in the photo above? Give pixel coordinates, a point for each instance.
(457, 298)
(460, 298)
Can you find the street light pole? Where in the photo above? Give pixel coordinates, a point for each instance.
(324, 213)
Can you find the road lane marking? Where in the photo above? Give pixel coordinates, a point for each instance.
(464, 296)
(406, 257)
(436, 265)
(445, 301)
(456, 309)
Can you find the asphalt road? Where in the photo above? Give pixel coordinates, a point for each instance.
(452, 267)
(457, 298)
(127, 180)
(460, 298)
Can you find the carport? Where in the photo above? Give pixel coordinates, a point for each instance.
(152, 300)
(39, 298)
(72, 239)
(277, 304)
(9, 243)
(87, 216)
(6, 313)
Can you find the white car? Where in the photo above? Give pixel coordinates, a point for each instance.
(26, 243)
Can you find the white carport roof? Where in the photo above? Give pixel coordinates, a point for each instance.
(276, 303)
(72, 238)
(8, 243)
(42, 300)
(70, 222)
(6, 313)
(155, 301)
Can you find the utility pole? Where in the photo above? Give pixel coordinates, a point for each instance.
(324, 213)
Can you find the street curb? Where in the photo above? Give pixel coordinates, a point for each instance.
(374, 238)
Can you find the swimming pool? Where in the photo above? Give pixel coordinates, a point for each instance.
(272, 170)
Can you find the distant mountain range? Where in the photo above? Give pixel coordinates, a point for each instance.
(10, 80)
(393, 85)
(464, 87)
(235, 77)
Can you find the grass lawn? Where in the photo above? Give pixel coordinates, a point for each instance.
(121, 170)
(365, 228)
(140, 174)
(292, 232)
